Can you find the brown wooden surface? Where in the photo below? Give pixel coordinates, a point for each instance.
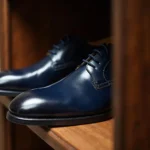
(98, 136)
(32, 29)
(2, 135)
(4, 35)
(132, 73)
(36, 26)
(5, 127)
(88, 137)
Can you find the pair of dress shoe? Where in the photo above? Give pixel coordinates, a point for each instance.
(83, 96)
(59, 62)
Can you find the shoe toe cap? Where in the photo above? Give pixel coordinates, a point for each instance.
(25, 104)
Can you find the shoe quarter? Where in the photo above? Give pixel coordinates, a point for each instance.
(101, 75)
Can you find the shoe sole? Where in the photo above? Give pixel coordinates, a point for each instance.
(9, 93)
(58, 122)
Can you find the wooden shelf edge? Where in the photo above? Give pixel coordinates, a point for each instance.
(80, 137)
(51, 138)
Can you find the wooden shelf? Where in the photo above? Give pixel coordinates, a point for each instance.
(84, 137)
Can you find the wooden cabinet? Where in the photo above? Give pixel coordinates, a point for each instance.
(131, 69)
(28, 28)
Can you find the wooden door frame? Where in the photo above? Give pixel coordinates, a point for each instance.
(131, 71)
(5, 127)
(4, 35)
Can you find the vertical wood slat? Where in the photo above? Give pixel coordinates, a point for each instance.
(131, 70)
(5, 127)
(2, 137)
(4, 35)
(35, 28)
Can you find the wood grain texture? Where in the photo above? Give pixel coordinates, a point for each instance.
(2, 135)
(132, 63)
(36, 26)
(96, 136)
(4, 35)
(5, 127)
(25, 139)
(51, 138)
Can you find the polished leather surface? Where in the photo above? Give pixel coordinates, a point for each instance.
(60, 61)
(86, 91)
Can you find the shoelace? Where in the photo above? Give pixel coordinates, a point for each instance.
(92, 56)
(59, 45)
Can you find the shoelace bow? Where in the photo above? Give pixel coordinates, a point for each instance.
(92, 56)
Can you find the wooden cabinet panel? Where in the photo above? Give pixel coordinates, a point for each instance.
(36, 25)
(132, 63)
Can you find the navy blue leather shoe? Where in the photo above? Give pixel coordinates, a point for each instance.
(82, 97)
(60, 61)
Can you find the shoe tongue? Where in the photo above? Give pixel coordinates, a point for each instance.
(105, 53)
